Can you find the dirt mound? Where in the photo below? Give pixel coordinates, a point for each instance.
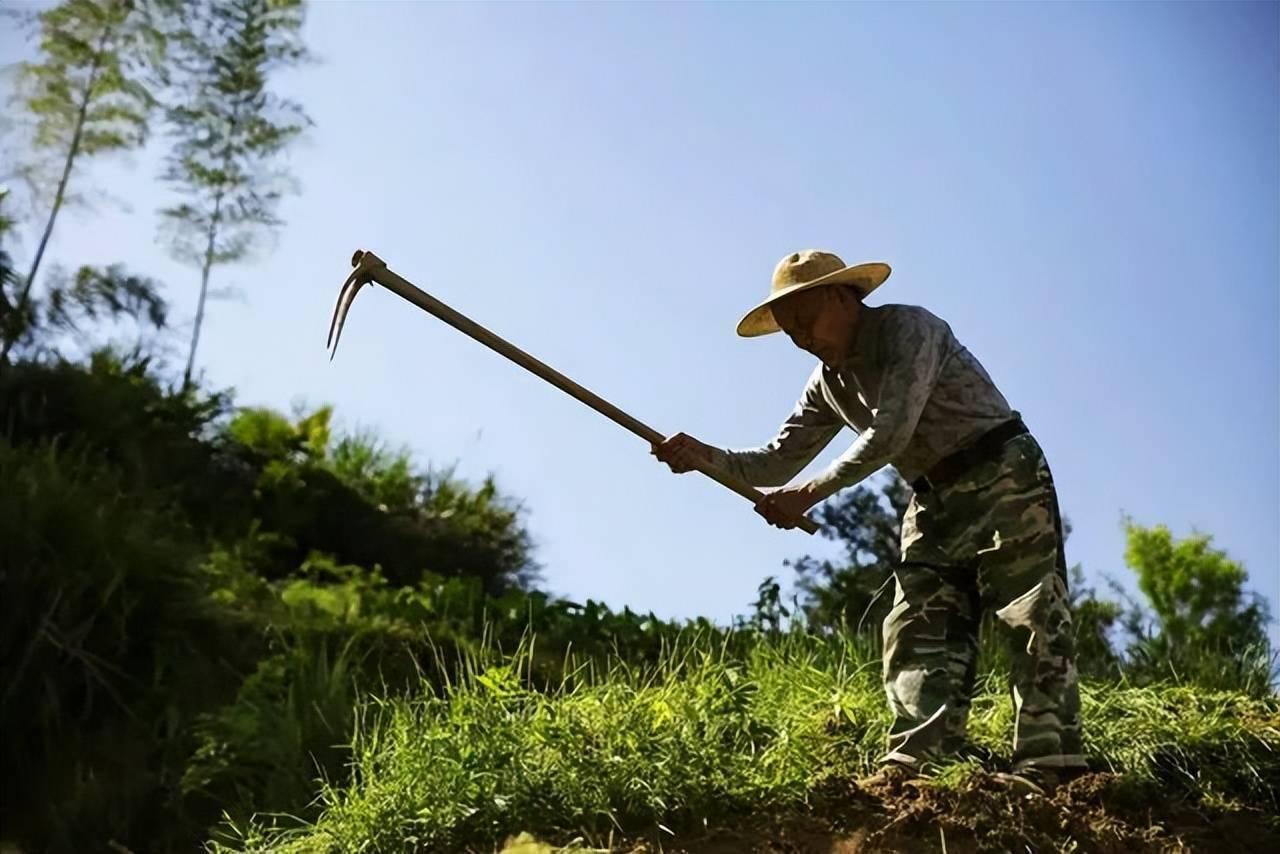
(1096, 813)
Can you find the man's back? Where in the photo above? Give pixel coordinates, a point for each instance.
(907, 350)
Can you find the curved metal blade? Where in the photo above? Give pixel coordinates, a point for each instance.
(346, 296)
(363, 262)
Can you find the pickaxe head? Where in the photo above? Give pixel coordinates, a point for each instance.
(365, 263)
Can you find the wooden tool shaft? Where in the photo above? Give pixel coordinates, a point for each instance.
(407, 290)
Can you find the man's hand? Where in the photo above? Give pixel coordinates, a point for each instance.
(682, 453)
(784, 508)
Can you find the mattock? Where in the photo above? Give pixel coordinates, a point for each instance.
(371, 268)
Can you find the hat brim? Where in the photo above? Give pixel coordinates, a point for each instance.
(865, 277)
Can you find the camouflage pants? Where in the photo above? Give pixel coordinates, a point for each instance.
(989, 542)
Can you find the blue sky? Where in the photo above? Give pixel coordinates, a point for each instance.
(1087, 193)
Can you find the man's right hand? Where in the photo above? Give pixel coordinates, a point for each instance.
(682, 453)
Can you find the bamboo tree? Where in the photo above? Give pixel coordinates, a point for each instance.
(228, 132)
(88, 96)
(8, 274)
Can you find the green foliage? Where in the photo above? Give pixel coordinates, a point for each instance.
(74, 305)
(228, 130)
(272, 434)
(88, 96)
(1196, 592)
(701, 733)
(1094, 619)
(1191, 740)
(707, 732)
(110, 649)
(12, 322)
(115, 408)
(340, 630)
(1202, 623)
(768, 612)
(227, 125)
(287, 727)
(356, 500)
(6, 225)
(94, 294)
(182, 632)
(88, 93)
(382, 476)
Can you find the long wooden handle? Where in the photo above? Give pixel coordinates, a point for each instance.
(380, 273)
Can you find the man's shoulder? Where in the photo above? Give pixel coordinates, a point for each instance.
(901, 316)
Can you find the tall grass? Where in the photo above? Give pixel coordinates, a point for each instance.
(707, 733)
(101, 604)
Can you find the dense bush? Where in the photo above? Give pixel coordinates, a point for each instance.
(193, 596)
(110, 649)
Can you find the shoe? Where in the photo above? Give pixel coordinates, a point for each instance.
(891, 774)
(1020, 784)
(1038, 781)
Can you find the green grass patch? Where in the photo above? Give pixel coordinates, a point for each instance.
(705, 735)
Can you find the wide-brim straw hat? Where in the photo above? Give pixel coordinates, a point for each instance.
(810, 268)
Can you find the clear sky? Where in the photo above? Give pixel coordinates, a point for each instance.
(1088, 193)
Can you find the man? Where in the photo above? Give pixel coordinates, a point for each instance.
(982, 533)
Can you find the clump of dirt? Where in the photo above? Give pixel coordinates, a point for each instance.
(1096, 813)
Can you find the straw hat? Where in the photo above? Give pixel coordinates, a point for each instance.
(800, 271)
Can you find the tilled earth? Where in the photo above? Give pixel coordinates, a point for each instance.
(1096, 813)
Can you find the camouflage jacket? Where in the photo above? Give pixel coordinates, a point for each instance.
(911, 391)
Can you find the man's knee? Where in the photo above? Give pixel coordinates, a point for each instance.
(918, 689)
(1041, 615)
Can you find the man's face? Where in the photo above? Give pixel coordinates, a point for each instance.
(817, 321)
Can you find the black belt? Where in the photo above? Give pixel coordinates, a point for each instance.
(953, 465)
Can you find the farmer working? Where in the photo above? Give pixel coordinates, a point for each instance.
(982, 531)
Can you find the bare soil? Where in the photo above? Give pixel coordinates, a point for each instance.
(1096, 813)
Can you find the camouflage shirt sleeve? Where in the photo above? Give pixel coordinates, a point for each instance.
(807, 430)
(913, 358)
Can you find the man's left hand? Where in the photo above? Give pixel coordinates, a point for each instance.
(785, 508)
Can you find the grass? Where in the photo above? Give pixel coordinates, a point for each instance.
(706, 735)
